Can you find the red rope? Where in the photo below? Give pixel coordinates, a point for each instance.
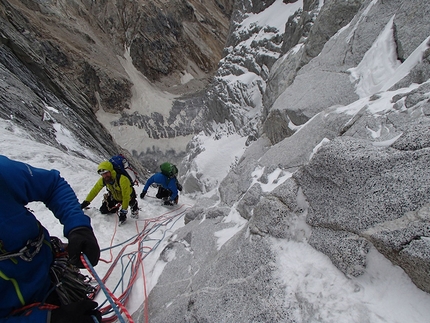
(141, 234)
(145, 302)
(27, 308)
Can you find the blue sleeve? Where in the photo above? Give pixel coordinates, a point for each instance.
(149, 182)
(28, 184)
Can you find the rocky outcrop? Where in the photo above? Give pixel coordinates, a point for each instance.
(167, 39)
(358, 190)
(192, 283)
(305, 36)
(249, 54)
(327, 74)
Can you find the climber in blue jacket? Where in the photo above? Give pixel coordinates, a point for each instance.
(26, 253)
(167, 182)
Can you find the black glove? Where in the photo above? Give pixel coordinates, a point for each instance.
(81, 312)
(142, 195)
(84, 204)
(122, 216)
(82, 239)
(179, 186)
(168, 202)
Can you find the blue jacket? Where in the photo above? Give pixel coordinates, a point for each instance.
(22, 282)
(165, 182)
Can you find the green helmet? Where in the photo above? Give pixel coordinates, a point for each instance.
(168, 169)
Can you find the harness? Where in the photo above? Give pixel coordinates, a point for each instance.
(26, 253)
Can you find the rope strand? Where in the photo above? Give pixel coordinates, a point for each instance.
(131, 263)
(111, 298)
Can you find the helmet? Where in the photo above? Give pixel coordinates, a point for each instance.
(104, 167)
(169, 169)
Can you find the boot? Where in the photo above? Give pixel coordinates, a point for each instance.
(135, 214)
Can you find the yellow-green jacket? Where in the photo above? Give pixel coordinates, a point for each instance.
(120, 191)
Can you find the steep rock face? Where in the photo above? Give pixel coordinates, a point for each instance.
(351, 174)
(307, 28)
(63, 121)
(253, 46)
(306, 33)
(242, 103)
(167, 39)
(327, 75)
(57, 38)
(75, 49)
(45, 110)
(363, 193)
(39, 91)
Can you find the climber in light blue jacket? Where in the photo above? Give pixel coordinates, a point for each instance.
(168, 185)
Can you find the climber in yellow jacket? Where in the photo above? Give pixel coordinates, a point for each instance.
(120, 193)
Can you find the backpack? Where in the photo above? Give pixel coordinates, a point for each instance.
(122, 167)
(168, 169)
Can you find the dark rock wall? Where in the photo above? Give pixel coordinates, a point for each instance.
(68, 50)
